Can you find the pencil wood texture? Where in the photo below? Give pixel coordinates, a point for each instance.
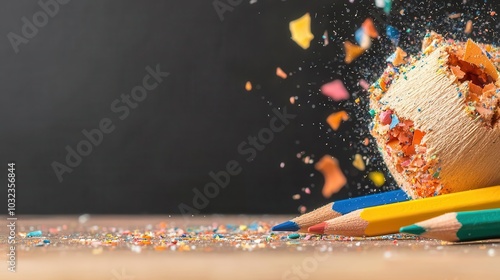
(339, 208)
(390, 218)
(451, 146)
(459, 226)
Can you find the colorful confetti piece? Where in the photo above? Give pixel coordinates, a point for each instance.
(280, 73)
(366, 141)
(364, 84)
(468, 27)
(398, 57)
(362, 38)
(293, 236)
(377, 178)
(393, 34)
(379, 3)
(325, 39)
(336, 118)
(385, 5)
(369, 28)
(358, 162)
(248, 86)
(352, 52)
(335, 90)
(301, 31)
(36, 233)
(334, 178)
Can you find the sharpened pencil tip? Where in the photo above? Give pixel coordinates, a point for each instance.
(286, 226)
(319, 228)
(413, 229)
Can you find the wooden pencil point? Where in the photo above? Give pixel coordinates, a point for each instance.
(319, 228)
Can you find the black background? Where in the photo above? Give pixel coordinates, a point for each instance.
(65, 78)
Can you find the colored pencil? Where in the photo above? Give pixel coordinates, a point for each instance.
(459, 226)
(387, 219)
(339, 208)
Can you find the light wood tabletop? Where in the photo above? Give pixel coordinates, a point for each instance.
(227, 247)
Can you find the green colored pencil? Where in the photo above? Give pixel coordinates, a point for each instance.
(459, 226)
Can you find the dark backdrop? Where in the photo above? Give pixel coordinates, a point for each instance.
(64, 78)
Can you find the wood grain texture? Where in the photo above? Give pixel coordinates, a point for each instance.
(468, 151)
(316, 216)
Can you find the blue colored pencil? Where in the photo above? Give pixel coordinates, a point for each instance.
(339, 208)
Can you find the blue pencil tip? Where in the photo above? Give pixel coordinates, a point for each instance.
(286, 226)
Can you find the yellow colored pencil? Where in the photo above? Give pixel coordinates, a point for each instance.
(390, 218)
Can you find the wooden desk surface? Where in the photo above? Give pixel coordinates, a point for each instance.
(228, 247)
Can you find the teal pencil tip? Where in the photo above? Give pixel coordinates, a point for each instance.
(412, 229)
(286, 226)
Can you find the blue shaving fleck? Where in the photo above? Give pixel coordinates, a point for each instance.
(36, 233)
(393, 34)
(358, 35)
(394, 121)
(391, 58)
